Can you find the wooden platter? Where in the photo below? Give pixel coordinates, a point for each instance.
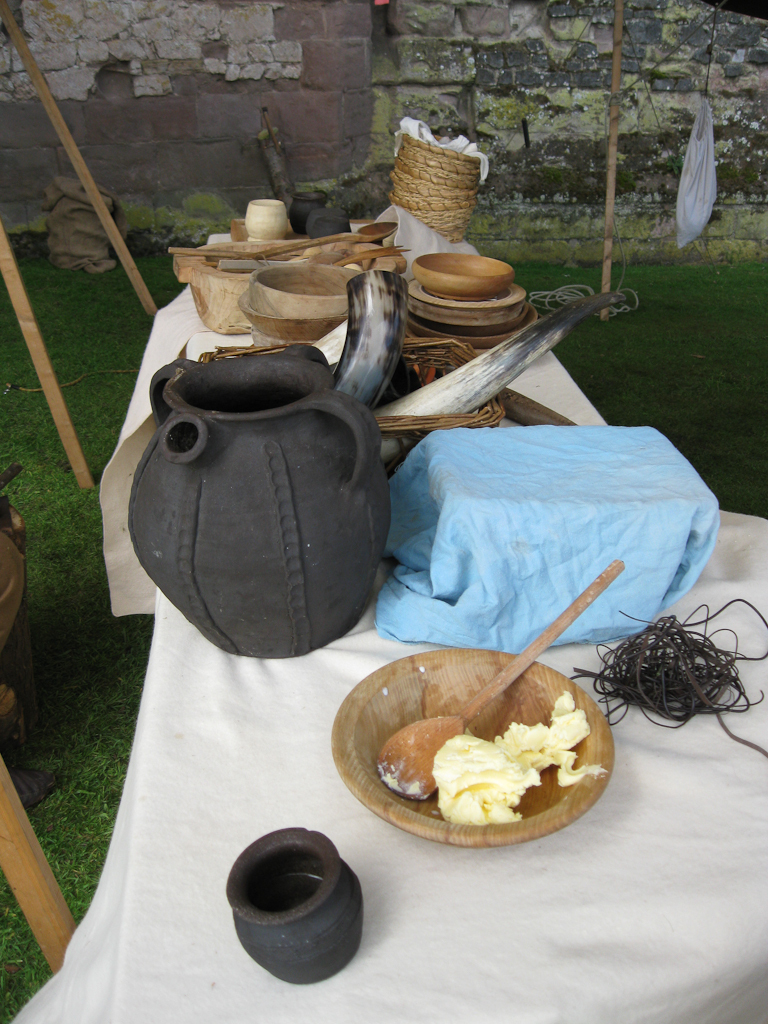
(463, 317)
(514, 293)
(439, 683)
(419, 329)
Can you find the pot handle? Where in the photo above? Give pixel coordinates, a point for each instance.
(359, 420)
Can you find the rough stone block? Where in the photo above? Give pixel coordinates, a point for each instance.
(482, 22)
(207, 164)
(153, 29)
(412, 17)
(199, 21)
(25, 173)
(151, 118)
(243, 24)
(490, 58)
(589, 80)
(734, 70)
(59, 22)
(345, 64)
(663, 84)
(435, 62)
(740, 35)
(130, 169)
(178, 49)
(530, 78)
(27, 126)
(228, 115)
(348, 20)
(357, 113)
(287, 52)
(485, 76)
(252, 71)
(758, 55)
(645, 30)
(684, 85)
(92, 51)
(151, 85)
(299, 21)
(307, 117)
(517, 58)
(561, 11)
(72, 84)
(214, 66)
(127, 49)
(585, 51)
(54, 56)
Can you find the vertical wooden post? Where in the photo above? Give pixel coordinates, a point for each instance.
(29, 875)
(613, 141)
(34, 339)
(75, 156)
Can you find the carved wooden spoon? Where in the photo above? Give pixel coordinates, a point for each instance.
(406, 759)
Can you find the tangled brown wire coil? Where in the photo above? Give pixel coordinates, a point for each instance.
(673, 673)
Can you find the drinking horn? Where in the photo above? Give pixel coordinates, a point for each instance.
(469, 386)
(378, 311)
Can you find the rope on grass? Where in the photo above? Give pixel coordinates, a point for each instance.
(69, 384)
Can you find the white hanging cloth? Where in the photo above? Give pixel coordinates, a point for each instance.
(698, 182)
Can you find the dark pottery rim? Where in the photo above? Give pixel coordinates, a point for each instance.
(286, 840)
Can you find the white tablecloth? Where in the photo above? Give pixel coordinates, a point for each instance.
(651, 909)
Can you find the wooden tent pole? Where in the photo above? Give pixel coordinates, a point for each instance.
(613, 142)
(34, 339)
(29, 875)
(76, 158)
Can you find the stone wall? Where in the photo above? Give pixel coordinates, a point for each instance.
(164, 97)
(480, 68)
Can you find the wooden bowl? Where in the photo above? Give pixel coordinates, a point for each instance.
(468, 317)
(285, 328)
(439, 683)
(217, 295)
(421, 328)
(300, 291)
(508, 297)
(455, 275)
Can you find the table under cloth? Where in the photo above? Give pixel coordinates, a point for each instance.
(650, 909)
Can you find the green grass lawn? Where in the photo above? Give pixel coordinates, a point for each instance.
(690, 361)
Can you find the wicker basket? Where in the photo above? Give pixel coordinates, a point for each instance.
(436, 185)
(430, 358)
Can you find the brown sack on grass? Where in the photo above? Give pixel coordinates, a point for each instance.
(75, 235)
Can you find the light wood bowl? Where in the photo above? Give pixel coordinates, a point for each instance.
(217, 294)
(400, 693)
(455, 275)
(508, 297)
(300, 291)
(500, 314)
(285, 328)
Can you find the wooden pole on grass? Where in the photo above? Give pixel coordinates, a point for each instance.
(30, 877)
(76, 158)
(613, 142)
(34, 339)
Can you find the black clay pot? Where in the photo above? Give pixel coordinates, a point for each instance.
(298, 908)
(302, 204)
(329, 221)
(260, 507)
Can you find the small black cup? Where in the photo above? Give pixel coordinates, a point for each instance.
(298, 908)
(302, 204)
(327, 221)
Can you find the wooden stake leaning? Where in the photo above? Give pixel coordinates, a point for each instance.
(42, 361)
(613, 142)
(75, 156)
(30, 877)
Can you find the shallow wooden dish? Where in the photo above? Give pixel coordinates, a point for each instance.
(480, 319)
(376, 230)
(300, 290)
(508, 297)
(400, 693)
(284, 328)
(421, 329)
(457, 275)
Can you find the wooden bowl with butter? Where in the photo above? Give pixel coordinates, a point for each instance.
(439, 683)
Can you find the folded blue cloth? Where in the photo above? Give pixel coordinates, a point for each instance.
(499, 530)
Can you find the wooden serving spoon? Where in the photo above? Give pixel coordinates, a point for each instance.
(406, 759)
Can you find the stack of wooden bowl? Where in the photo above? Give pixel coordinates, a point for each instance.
(471, 298)
(295, 302)
(436, 185)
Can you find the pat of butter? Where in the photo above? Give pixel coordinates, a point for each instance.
(480, 783)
